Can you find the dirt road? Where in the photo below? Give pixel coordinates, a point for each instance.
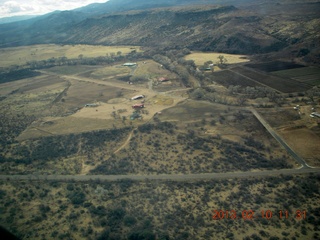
(165, 177)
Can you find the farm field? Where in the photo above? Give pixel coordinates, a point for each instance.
(305, 142)
(310, 75)
(280, 84)
(22, 55)
(227, 78)
(299, 131)
(274, 66)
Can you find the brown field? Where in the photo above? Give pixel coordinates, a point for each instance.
(301, 132)
(279, 117)
(22, 55)
(305, 142)
(34, 96)
(227, 78)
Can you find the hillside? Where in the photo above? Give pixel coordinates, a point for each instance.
(288, 29)
(211, 28)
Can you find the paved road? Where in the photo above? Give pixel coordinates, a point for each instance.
(279, 139)
(169, 177)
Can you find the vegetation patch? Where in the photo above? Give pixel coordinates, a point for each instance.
(163, 210)
(17, 75)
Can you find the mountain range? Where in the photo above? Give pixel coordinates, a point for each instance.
(287, 28)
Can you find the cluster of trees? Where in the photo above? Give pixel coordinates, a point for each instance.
(173, 66)
(257, 92)
(11, 125)
(53, 147)
(162, 126)
(17, 74)
(207, 93)
(82, 60)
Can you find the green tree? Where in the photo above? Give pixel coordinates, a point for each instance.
(222, 60)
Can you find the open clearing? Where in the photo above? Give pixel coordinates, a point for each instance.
(22, 55)
(200, 58)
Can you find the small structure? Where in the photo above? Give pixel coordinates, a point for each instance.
(315, 114)
(163, 79)
(91, 105)
(130, 64)
(137, 106)
(137, 97)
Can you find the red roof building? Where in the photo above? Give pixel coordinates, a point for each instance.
(141, 105)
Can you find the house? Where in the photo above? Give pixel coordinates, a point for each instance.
(129, 64)
(139, 105)
(137, 97)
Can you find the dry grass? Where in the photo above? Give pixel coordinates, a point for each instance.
(200, 58)
(112, 71)
(153, 70)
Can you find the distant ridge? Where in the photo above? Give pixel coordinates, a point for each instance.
(16, 19)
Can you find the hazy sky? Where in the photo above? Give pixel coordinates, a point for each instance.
(10, 8)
